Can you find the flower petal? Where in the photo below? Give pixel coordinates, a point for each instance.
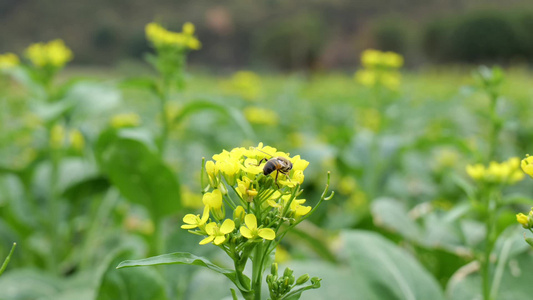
(205, 215)
(267, 233)
(207, 240)
(247, 233)
(219, 240)
(188, 226)
(210, 228)
(251, 221)
(190, 219)
(227, 226)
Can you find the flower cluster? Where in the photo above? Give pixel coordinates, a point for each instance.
(380, 68)
(125, 120)
(260, 202)
(53, 54)
(8, 61)
(525, 220)
(261, 188)
(527, 165)
(59, 138)
(507, 172)
(163, 38)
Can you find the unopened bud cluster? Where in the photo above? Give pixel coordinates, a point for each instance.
(279, 287)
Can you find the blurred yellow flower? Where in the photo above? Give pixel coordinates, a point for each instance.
(57, 137)
(77, 142)
(161, 37)
(125, 120)
(507, 172)
(380, 68)
(527, 165)
(262, 116)
(243, 83)
(53, 54)
(522, 219)
(8, 61)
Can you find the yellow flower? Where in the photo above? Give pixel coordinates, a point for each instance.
(366, 77)
(212, 173)
(125, 120)
(261, 116)
(217, 235)
(76, 140)
(214, 201)
(57, 136)
(193, 221)
(476, 171)
(8, 61)
(243, 83)
(370, 58)
(527, 165)
(251, 231)
(523, 219)
(54, 54)
(391, 59)
(391, 80)
(161, 37)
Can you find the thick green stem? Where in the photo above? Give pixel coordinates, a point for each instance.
(490, 209)
(54, 212)
(163, 99)
(257, 271)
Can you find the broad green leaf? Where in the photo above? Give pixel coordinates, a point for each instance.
(136, 169)
(510, 277)
(199, 106)
(184, 258)
(24, 284)
(371, 268)
(135, 284)
(392, 214)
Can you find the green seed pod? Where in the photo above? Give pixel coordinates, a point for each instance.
(315, 281)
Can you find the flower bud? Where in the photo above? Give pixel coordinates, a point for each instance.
(302, 279)
(287, 273)
(274, 269)
(315, 281)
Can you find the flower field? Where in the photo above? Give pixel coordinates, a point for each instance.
(157, 181)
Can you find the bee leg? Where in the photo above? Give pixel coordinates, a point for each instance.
(261, 161)
(276, 180)
(287, 175)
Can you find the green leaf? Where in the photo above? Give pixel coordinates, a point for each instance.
(199, 106)
(510, 277)
(8, 258)
(136, 169)
(134, 284)
(184, 258)
(372, 268)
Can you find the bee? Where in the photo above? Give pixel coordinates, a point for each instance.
(279, 164)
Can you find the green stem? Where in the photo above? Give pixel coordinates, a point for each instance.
(163, 99)
(490, 210)
(257, 271)
(54, 214)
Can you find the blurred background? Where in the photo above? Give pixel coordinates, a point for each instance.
(281, 35)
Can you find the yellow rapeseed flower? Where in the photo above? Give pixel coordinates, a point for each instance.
(527, 165)
(261, 116)
(507, 172)
(125, 120)
(214, 201)
(160, 37)
(251, 231)
(371, 58)
(193, 221)
(8, 61)
(243, 83)
(54, 54)
(76, 140)
(523, 219)
(217, 235)
(57, 136)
